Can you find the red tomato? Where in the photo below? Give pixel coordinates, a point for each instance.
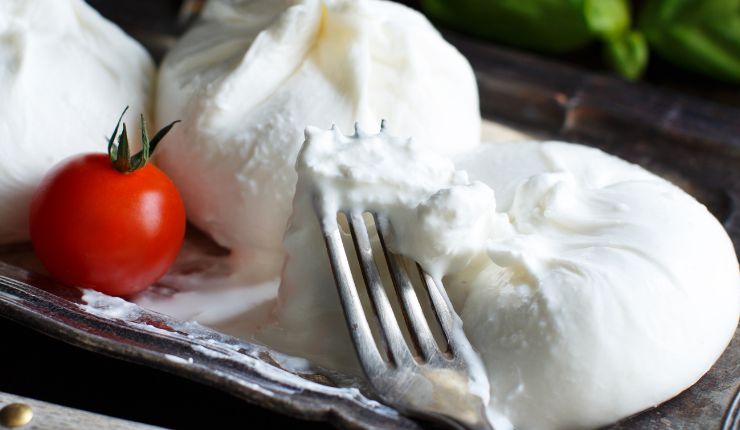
(95, 227)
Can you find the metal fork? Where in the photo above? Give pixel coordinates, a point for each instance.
(432, 384)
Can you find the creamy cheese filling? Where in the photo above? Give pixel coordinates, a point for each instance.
(591, 288)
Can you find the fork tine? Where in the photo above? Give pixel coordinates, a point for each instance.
(442, 307)
(420, 331)
(399, 382)
(362, 337)
(399, 351)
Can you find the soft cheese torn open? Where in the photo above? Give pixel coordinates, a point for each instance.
(591, 288)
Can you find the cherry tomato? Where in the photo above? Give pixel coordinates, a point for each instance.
(96, 227)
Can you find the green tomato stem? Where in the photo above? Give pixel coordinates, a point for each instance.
(120, 155)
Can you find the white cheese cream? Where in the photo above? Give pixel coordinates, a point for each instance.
(591, 288)
(250, 76)
(66, 73)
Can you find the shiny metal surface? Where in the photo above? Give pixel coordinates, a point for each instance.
(732, 417)
(429, 384)
(15, 415)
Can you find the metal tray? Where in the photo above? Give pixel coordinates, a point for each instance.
(693, 143)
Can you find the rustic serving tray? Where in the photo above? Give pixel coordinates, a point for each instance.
(693, 143)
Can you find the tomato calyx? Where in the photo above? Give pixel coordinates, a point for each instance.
(120, 155)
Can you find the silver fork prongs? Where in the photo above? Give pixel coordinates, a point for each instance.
(421, 379)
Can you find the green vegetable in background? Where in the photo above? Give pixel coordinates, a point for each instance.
(606, 19)
(700, 35)
(550, 26)
(627, 54)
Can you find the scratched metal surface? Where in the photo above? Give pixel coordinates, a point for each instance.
(693, 143)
